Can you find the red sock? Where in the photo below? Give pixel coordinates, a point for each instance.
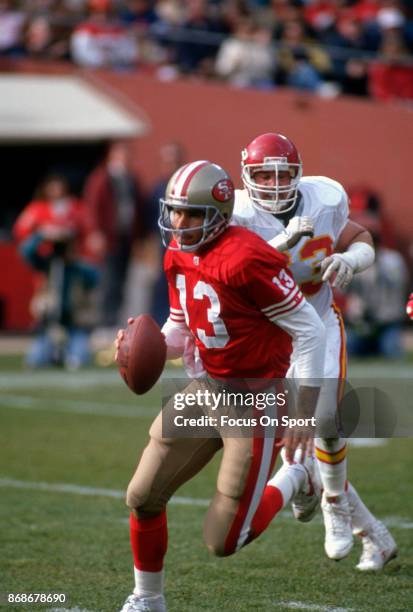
(149, 541)
(271, 503)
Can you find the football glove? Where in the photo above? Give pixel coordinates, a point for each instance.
(358, 257)
(409, 306)
(338, 265)
(295, 230)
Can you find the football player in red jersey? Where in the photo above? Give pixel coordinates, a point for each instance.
(231, 293)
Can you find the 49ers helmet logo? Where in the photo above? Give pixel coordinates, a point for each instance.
(223, 190)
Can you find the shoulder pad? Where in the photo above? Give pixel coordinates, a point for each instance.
(327, 191)
(242, 202)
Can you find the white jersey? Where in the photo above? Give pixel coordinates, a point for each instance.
(326, 203)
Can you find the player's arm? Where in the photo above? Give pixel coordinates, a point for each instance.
(275, 292)
(309, 344)
(179, 339)
(175, 329)
(355, 253)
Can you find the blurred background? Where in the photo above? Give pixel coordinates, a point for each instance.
(101, 100)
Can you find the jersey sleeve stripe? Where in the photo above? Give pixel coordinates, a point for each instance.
(268, 309)
(178, 319)
(176, 311)
(284, 304)
(177, 323)
(290, 308)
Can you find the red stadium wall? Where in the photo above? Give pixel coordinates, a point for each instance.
(353, 141)
(17, 284)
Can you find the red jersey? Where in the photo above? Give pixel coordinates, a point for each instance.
(69, 213)
(230, 295)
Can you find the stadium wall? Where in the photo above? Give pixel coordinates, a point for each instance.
(357, 142)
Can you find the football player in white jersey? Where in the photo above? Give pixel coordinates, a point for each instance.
(307, 219)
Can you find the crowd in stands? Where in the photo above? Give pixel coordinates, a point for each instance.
(358, 47)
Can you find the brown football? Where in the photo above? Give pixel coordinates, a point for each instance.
(142, 354)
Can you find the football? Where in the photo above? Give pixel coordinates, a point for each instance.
(142, 354)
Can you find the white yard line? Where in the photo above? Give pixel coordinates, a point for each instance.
(300, 605)
(367, 442)
(23, 402)
(76, 609)
(90, 491)
(391, 521)
(81, 379)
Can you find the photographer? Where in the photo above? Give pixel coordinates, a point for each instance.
(52, 234)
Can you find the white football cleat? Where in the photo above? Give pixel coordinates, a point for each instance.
(379, 548)
(305, 503)
(337, 522)
(136, 603)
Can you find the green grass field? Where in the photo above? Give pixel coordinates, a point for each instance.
(85, 430)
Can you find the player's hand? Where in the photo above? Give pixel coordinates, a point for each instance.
(338, 266)
(409, 306)
(295, 230)
(119, 337)
(192, 361)
(298, 437)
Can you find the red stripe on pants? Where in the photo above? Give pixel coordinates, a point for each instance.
(270, 503)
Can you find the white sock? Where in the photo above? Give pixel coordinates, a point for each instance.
(362, 520)
(332, 462)
(289, 479)
(148, 584)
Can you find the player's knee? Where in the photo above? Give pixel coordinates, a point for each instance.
(218, 549)
(136, 497)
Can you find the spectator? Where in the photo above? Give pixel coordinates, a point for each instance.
(280, 12)
(392, 78)
(193, 52)
(102, 41)
(172, 156)
(50, 232)
(375, 305)
(367, 210)
(349, 65)
(247, 59)
(301, 63)
(138, 13)
(53, 204)
(119, 219)
(11, 28)
(43, 40)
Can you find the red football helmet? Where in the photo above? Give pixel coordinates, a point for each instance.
(274, 153)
